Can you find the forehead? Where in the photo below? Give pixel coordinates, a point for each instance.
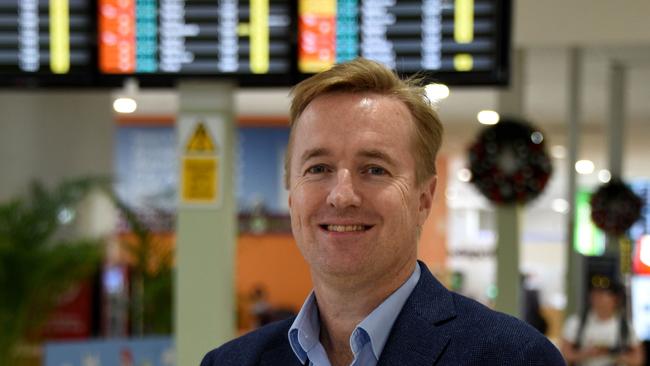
(603, 292)
(355, 118)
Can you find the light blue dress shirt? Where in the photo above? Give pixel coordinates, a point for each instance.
(368, 338)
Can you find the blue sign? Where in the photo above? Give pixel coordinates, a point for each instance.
(149, 351)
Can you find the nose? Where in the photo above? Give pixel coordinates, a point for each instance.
(343, 194)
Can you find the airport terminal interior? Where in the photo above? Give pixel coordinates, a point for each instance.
(142, 191)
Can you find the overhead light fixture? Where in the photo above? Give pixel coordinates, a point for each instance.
(560, 205)
(536, 137)
(585, 167)
(125, 105)
(451, 193)
(488, 117)
(436, 92)
(464, 175)
(558, 151)
(125, 101)
(604, 175)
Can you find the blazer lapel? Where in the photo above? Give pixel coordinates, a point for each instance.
(418, 337)
(280, 355)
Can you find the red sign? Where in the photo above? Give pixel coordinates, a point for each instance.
(641, 259)
(72, 318)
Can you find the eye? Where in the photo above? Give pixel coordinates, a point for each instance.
(316, 169)
(376, 170)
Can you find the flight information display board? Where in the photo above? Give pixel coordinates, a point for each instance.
(456, 41)
(254, 42)
(195, 37)
(46, 37)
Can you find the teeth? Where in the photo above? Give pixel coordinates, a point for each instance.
(345, 228)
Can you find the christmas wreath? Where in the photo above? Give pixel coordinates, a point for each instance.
(509, 163)
(614, 207)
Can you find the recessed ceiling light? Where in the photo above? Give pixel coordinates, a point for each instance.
(488, 117)
(464, 175)
(604, 175)
(125, 105)
(585, 166)
(436, 92)
(558, 151)
(560, 205)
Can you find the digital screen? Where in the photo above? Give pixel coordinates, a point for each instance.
(641, 306)
(194, 37)
(255, 42)
(51, 37)
(456, 40)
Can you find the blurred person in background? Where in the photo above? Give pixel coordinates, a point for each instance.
(531, 309)
(602, 335)
(360, 169)
(260, 307)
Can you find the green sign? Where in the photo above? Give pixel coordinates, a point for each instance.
(587, 238)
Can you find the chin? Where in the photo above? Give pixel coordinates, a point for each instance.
(342, 268)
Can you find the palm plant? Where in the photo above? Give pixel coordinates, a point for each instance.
(37, 261)
(151, 280)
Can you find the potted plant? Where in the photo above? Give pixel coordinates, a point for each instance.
(38, 261)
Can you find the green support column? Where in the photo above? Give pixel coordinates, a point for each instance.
(510, 103)
(207, 221)
(574, 279)
(507, 251)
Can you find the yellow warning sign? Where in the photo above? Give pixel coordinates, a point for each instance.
(199, 179)
(200, 141)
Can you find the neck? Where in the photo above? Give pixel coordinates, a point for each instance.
(604, 314)
(344, 304)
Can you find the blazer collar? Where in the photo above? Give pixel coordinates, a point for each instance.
(417, 337)
(280, 355)
(279, 351)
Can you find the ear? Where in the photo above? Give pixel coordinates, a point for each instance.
(426, 199)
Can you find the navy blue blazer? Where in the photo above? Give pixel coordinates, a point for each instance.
(435, 327)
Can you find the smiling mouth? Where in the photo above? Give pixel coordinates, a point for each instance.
(345, 228)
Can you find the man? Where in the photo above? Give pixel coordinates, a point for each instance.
(360, 169)
(602, 336)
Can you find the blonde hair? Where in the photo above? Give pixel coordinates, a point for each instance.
(363, 75)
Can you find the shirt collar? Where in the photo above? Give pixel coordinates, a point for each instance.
(305, 330)
(380, 321)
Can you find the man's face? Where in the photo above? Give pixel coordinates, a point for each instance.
(603, 302)
(354, 203)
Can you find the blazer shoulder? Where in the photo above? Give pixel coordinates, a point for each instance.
(247, 349)
(505, 336)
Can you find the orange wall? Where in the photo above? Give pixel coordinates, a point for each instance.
(432, 249)
(274, 262)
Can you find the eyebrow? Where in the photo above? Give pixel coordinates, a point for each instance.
(370, 154)
(314, 153)
(377, 154)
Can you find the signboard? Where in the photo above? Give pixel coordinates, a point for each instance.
(460, 41)
(641, 258)
(641, 306)
(151, 351)
(46, 38)
(201, 140)
(195, 37)
(587, 238)
(256, 42)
